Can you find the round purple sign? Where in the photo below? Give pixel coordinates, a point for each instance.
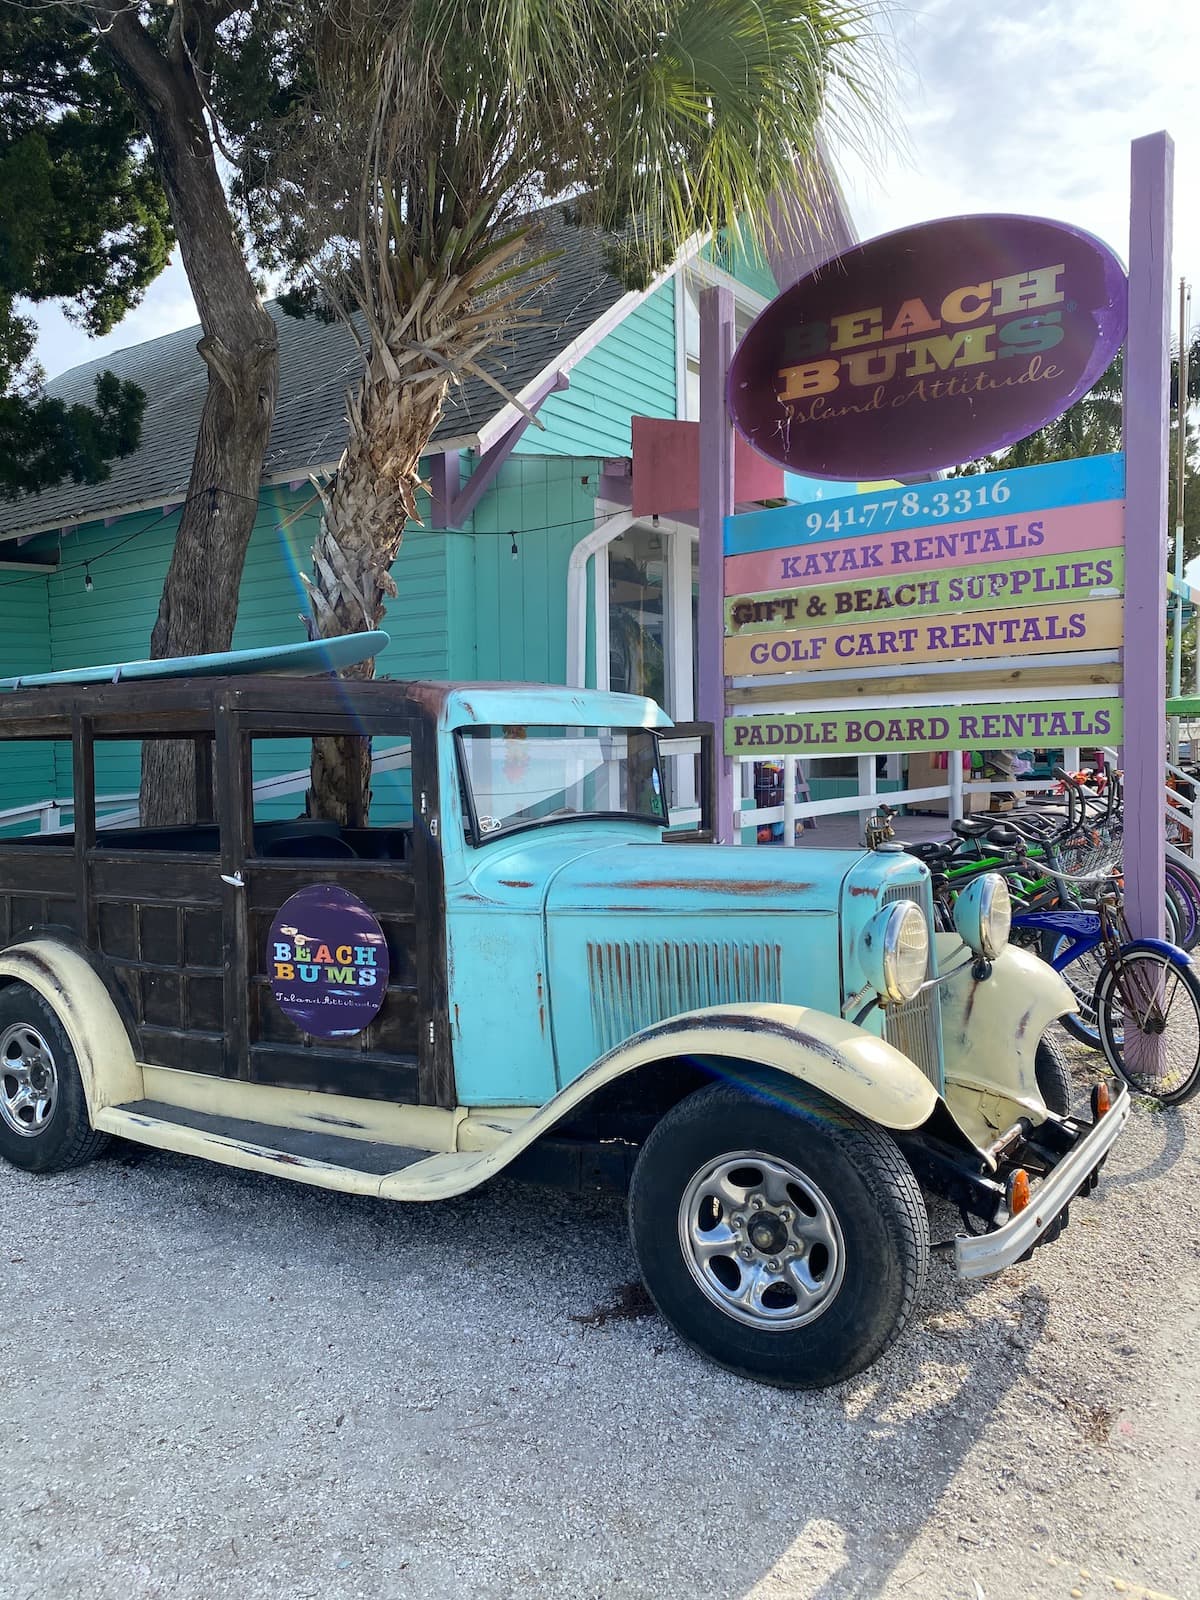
(927, 347)
(328, 961)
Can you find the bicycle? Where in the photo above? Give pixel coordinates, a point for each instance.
(1143, 999)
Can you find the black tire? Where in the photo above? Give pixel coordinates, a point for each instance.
(872, 1273)
(1053, 1078)
(36, 1053)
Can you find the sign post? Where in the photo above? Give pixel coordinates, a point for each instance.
(998, 611)
(716, 503)
(1147, 431)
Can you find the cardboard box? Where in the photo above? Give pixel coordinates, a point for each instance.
(922, 774)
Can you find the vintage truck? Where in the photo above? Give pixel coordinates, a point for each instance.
(506, 966)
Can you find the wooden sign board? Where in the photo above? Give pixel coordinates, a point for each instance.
(999, 567)
(1019, 725)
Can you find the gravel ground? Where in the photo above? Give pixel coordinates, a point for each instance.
(225, 1385)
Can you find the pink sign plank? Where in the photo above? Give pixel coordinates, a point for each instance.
(1062, 530)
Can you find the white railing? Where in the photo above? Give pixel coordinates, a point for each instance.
(1179, 816)
(115, 811)
(868, 797)
(49, 814)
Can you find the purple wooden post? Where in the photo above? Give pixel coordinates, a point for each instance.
(716, 503)
(445, 480)
(1147, 427)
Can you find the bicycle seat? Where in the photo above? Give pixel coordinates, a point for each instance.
(972, 827)
(930, 850)
(1004, 836)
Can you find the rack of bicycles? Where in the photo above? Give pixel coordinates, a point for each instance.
(1061, 868)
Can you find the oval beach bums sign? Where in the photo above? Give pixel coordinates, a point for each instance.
(327, 959)
(928, 347)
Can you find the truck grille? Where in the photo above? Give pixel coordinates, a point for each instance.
(634, 984)
(915, 1028)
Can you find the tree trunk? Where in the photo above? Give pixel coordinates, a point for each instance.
(371, 500)
(241, 350)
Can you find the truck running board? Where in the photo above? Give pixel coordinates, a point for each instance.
(326, 1160)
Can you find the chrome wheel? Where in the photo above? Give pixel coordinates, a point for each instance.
(761, 1240)
(28, 1080)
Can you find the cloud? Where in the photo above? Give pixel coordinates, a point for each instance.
(1030, 107)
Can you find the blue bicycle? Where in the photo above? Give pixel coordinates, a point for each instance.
(1138, 999)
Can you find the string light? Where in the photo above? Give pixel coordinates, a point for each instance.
(515, 551)
(87, 577)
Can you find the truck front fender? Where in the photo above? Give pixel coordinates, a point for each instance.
(90, 1019)
(991, 1028)
(851, 1066)
(862, 1072)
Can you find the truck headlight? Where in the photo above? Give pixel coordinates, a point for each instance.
(983, 915)
(895, 950)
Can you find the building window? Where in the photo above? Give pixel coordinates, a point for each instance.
(637, 583)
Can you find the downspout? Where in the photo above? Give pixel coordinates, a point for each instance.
(591, 544)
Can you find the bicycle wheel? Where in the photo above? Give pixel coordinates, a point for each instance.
(1184, 887)
(1148, 1017)
(1081, 975)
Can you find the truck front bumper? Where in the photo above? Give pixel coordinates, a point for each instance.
(979, 1255)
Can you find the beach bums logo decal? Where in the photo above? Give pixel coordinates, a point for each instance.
(928, 347)
(327, 960)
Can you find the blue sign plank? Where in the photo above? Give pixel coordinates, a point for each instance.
(990, 497)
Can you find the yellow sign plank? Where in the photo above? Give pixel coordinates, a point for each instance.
(1029, 631)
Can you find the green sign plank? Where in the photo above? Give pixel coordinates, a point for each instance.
(1098, 574)
(1019, 725)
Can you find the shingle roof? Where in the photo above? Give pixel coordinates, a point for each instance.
(317, 363)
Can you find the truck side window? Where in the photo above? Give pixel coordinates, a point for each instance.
(280, 768)
(41, 768)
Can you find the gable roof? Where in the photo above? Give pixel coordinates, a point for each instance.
(318, 362)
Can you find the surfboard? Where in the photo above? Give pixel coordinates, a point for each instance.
(302, 660)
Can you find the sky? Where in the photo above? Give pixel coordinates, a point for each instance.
(995, 105)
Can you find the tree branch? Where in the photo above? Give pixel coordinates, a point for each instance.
(122, 34)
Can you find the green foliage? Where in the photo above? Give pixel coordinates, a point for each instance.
(44, 441)
(83, 221)
(654, 119)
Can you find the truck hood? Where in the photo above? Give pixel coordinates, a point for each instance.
(701, 877)
(600, 875)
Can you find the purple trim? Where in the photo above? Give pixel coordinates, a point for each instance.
(1147, 429)
(716, 503)
(456, 504)
(616, 490)
(445, 480)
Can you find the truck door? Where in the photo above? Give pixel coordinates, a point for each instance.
(334, 933)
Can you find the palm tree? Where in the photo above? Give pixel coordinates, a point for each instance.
(1092, 426)
(659, 119)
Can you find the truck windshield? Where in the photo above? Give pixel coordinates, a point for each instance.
(522, 777)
